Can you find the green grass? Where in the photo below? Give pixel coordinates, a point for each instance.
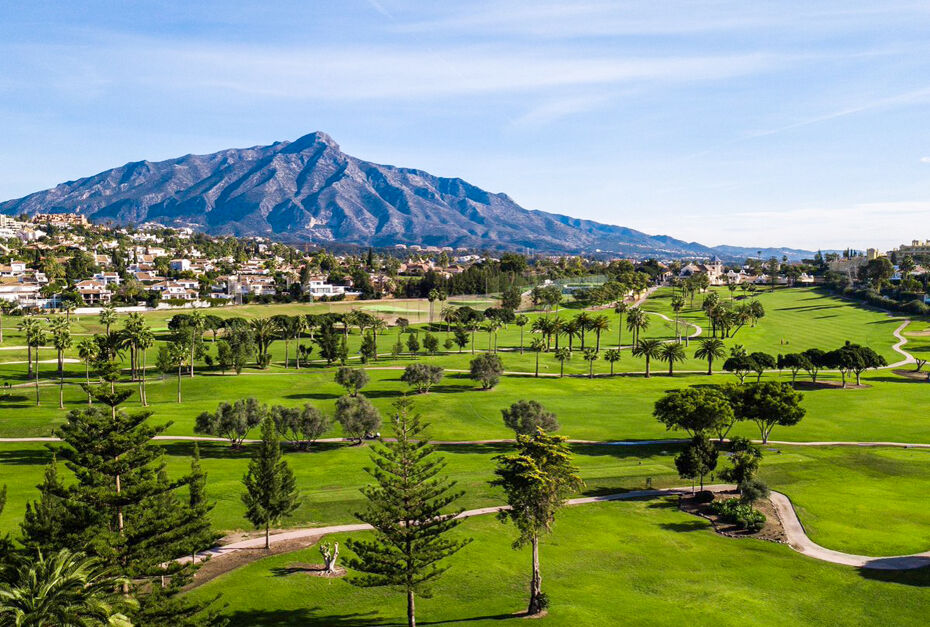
(641, 563)
(866, 501)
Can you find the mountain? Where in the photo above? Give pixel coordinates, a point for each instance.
(309, 190)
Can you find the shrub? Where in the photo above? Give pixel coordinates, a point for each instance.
(704, 496)
(740, 514)
(487, 370)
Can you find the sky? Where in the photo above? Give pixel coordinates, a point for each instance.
(803, 124)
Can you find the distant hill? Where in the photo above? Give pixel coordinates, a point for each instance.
(309, 190)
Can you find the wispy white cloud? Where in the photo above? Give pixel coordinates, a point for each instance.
(917, 96)
(551, 111)
(925, 159)
(389, 72)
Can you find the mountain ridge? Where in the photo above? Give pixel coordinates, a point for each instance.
(308, 190)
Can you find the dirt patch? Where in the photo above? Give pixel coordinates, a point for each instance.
(773, 531)
(914, 375)
(312, 570)
(828, 385)
(224, 563)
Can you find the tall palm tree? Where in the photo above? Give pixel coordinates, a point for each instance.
(521, 321)
(145, 339)
(108, 317)
(263, 330)
(177, 353)
(87, 351)
(590, 356)
(612, 355)
(134, 324)
(300, 325)
(672, 352)
(563, 355)
(68, 307)
(570, 329)
(557, 328)
(583, 324)
(197, 322)
(620, 309)
(35, 337)
(678, 303)
(636, 322)
(28, 327)
(61, 340)
(599, 324)
(63, 588)
(432, 297)
(711, 349)
(447, 314)
(377, 324)
(538, 345)
(648, 349)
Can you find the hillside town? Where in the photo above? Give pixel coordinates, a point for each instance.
(62, 261)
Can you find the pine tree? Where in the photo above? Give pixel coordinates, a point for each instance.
(123, 508)
(405, 507)
(537, 479)
(200, 532)
(47, 519)
(271, 491)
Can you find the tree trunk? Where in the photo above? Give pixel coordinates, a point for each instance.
(37, 376)
(179, 384)
(29, 360)
(647, 367)
(537, 364)
(710, 365)
(535, 582)
(267, 537)
(411, 610)
(287, 344)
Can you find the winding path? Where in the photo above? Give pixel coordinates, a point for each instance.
(796, 536)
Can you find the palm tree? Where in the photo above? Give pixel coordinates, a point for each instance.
(377, 324)
(590, 356)
(563, 355)
(678, 303)
(145, 339)
(711, 349)
(108, 316)
(672, 352)
(599, 324)
(263, 330)
(68, 307)
(612, 355)
(620, 309)
(556, 328)
(64, 588)
(177, 353)
(448, 314)
(636, 322)
(432, 297)
(583, 324)
(61, 339)
(28, 327)
(87, 351)
(521, 321)
(35, 337)
(300, 325)
(648, 349)
(196, 321)
(570, 328)
(134, 323)
(538, 345)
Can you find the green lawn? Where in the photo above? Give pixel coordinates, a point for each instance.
(641, 563)
(868, 501)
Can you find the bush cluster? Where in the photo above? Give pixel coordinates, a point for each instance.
(740, 514)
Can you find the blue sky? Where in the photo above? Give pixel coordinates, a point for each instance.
(755, 123)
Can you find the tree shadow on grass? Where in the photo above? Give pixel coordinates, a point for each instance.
(513, 616)
(917, 577)
(496, 448)
(223, 450)
(317, 396)
(306, 616)
(27, 457)
(685, 526)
